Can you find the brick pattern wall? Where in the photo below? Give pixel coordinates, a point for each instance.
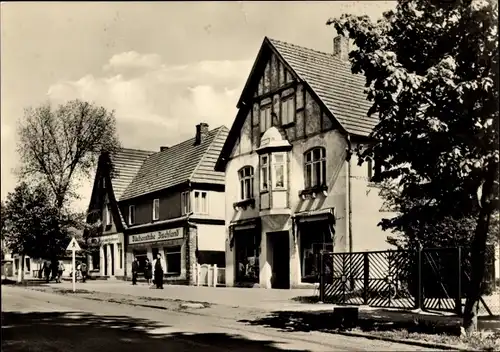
(191, 255)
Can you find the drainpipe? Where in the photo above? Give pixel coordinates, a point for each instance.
(348, 193)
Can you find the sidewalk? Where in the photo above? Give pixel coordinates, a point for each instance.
(257, 298)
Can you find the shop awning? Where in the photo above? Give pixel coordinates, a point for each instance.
(244, 224)
(315, 215)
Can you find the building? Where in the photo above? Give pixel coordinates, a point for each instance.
(113, 175)
(169, 203)
(293, 184)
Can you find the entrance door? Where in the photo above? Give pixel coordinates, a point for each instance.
(281, 259)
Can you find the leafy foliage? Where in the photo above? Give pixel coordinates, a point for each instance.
(34, 226)
(60, 145)
(431, 71)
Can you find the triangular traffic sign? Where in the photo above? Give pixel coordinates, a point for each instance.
(73, 246)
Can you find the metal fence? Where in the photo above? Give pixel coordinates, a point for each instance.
(431, 279)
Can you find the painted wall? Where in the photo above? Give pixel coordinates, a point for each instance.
(170, 207)
(216, 203)
(211, 237)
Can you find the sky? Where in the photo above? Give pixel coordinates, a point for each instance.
(163, 67)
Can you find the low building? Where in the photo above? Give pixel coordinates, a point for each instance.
(171, 204)
(293, 184)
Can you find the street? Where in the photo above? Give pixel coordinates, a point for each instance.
(41, 321)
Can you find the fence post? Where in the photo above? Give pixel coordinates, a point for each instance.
(215, 275)
(198, 274)
(418, 300)
(321, 278)
(458, 298)
(366, 277)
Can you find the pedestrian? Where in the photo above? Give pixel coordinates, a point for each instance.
(158, 272)
(135, 271)
(60, 270)
(84, 270)
(148, 271)
(46, 270)
(54, 267)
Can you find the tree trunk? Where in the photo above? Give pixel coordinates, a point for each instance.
(478, 253)
(20, 270)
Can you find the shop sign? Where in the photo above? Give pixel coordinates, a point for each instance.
(168, 234)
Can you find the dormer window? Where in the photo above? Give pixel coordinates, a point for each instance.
(315, 167)
(246, 182)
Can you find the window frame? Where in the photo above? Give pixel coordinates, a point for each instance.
(130, 220)
(185, 202)
(156, 209)
(198, 202)
(243, 178)
(286, 102)
(266, 167)
(274, 165)
(167, 253)
(265, 119)
(321, 162)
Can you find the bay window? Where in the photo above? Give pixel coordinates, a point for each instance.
(246, 182)
(279, 170)
(264, 173)
(315, 168)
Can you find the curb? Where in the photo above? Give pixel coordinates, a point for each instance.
(404, 341)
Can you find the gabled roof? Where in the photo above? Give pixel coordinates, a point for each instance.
(127, 163)
(332, 80)
(183, 162)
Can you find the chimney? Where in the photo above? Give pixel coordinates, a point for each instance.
(201, 131)
(341, 47)
(163, 148)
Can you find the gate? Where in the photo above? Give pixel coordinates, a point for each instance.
(432, 279)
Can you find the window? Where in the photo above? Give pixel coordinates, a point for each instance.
(108, 215)
(173, 260)
(156, 209)
(247, 246)
(96, 260)
(279, 170)
(120, 254)
(200, 202)
(246, 182)
(27, 265)
(264, 172)
(315, 168)
(131, 214)
(374, 170)
(185, 203)
(288, 110)
(265, 119)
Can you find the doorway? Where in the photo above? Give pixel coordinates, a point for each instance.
(112, 259)
(105, 255)
(280, 245)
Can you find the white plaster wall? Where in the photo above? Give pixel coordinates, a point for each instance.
(211, 237)
(366, 211)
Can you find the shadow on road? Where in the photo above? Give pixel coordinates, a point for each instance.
(75, 331)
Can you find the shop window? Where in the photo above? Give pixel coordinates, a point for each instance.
(288, 110)
(120, 255)
(246, 182)
(279, 170)
(173, 260)
(200, 202)
(264, 173)
(317, 237)
(131, 214)
(156, 209)
(185, 203)
(247, 245)
(265, 118)
(315, 168)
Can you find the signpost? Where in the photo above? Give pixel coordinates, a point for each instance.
(73, 246)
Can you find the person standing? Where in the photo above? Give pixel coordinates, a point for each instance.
(46, 270)
(158, 272)
(135, 271)
(84, 270)
(60, 271)
(148, 271)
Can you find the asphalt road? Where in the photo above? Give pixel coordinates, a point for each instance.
(40, 321)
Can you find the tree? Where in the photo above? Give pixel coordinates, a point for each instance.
(431, 71)
(33, 225)
(60, 145)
